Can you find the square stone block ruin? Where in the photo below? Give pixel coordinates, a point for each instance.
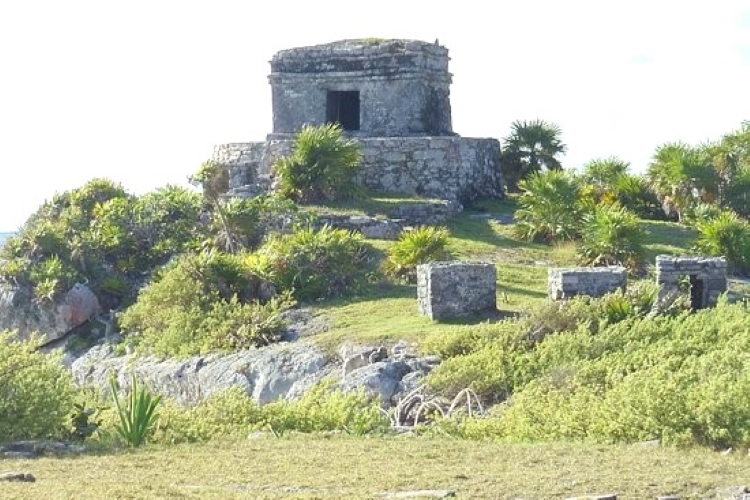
(456, 289)
(565, 283)
(706, 276)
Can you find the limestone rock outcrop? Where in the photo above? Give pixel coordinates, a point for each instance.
(19, 311)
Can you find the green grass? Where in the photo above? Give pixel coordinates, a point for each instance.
(302, 466)
(389, 312)
(667, 238)
(380, 206)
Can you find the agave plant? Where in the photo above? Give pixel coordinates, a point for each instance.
(137, 412)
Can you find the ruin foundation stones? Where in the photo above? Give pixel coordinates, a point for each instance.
(565, 283)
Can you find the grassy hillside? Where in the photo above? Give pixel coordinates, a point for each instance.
(481, 233)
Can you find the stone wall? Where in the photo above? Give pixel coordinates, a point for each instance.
(450, 168)
(403, 85)
(456, 289)
(565, 283)
(707, 277)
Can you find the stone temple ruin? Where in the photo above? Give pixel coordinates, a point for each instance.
(393, 96)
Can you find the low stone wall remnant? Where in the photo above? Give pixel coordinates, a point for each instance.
(456, 289)
(707, 277)
(565, 283)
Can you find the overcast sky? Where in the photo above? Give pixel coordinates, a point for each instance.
(140, 91)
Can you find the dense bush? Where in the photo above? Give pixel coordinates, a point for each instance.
(681, 379)
(100, 234)
(321, 167)
(418, 246)
(36, 392)
(205, 302)
(611, 235)
(548, 207)
(314, 264)
(726, 235)
(242, 224)
(233, 414)
(495, 359)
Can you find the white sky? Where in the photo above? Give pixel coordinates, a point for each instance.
(140, 90)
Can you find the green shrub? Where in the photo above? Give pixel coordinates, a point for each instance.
(702, 212)
(729, 236)
(611, 235)
(206, 302)
(230, 413)
(244, 223)
(321, 166)
(314, 264)
(36, 392)
(323, 409)
(548, 207)
(633, 192)
(682, 379)
(418, 246)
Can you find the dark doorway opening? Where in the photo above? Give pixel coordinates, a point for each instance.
(342, 107)
(696, 293)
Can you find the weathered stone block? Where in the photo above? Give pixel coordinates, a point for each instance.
(456, 289)
(565, 283)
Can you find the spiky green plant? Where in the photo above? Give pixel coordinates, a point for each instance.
(417, 246)
(726, 235)
(611, 236)
(548, 207)
(138, 413)
(321, 167)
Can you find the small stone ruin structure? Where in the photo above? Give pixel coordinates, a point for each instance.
(456, 289)
(393, 96)
(565, 283)
(707, 277)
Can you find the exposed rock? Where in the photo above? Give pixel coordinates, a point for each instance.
(280, 371)
(51, 320)
(357, 357)
(608, 496)
(420, 494)
(732, 493)
(24, 477)
(35, 449)
(378, 379)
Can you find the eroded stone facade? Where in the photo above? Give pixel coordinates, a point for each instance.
(402, 86)
(456, 289)
(565, 283)
(393, 96)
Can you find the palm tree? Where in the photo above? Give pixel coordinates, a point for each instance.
(530, 147)
(680, 175)
(604, 173)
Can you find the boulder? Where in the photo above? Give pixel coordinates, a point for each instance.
(19, 311)
(280, 371)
